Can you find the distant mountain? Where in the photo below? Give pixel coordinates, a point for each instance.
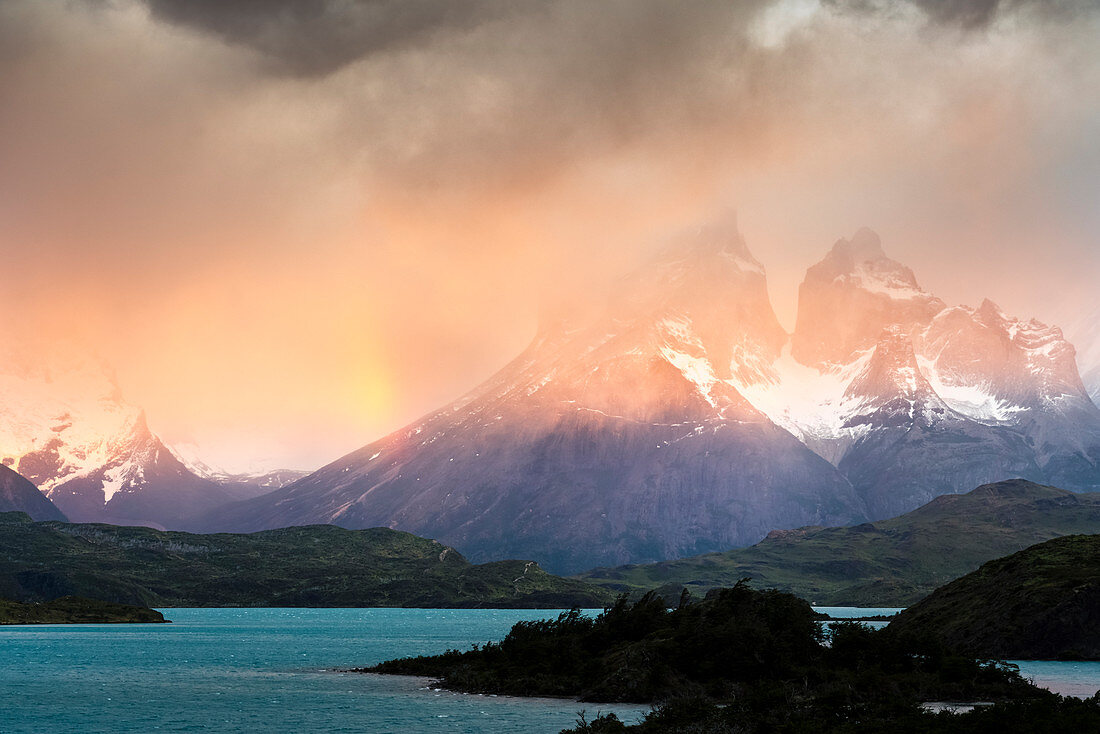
(65, 426)
(681, 418)
(619, 437)
(1041, 603)
(239, 484)
(320, 566)
(17, 494)
(887, 563)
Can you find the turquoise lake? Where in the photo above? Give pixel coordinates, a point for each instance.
(271, 670)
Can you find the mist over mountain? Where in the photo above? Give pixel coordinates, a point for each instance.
(682, 418)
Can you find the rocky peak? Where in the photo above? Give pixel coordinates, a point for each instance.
(849, 298)
(864, 246)
(892, 389)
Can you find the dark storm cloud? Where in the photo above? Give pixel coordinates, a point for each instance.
(974, 14)
(312, 37)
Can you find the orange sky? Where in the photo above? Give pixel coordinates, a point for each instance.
(293, 232)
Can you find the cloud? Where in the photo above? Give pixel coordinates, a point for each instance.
(316, 37)
(252, 199)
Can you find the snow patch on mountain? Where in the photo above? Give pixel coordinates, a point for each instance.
(811, 403)
(976, 401)
(696, 370)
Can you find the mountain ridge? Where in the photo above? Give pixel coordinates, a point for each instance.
(892, 562)
(322, 566)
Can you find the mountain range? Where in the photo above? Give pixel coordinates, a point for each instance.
(680, 418)
(676, 418)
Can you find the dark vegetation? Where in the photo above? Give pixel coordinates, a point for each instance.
(1040, 603)
(75, 610)
(893, 562)
(315, 566)
(747, 661)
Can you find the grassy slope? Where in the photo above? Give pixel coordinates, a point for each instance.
(75, 610)
(319, 565)
(889, 563)
(1040, 603)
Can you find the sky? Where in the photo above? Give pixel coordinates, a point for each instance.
(295, 225)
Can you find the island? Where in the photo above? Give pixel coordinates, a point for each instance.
(746, 660)
(76, 610)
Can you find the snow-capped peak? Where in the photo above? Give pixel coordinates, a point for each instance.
(60, 423)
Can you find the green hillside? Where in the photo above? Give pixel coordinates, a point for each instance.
(1040, 603)
(892, 562)
(317, 566)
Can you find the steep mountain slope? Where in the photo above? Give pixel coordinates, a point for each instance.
(886, 563)
(17, 494)
(65, 426)
(620, 439)
(308, 566)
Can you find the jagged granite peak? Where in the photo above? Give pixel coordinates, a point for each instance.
(708, 282)
(848, 298)
(18, 494)
(996, 366)
(621, 440)
(891, 391)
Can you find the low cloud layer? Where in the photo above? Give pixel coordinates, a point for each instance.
(306, 222)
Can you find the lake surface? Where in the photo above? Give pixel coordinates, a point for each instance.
(260, 670)
(271, 670)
